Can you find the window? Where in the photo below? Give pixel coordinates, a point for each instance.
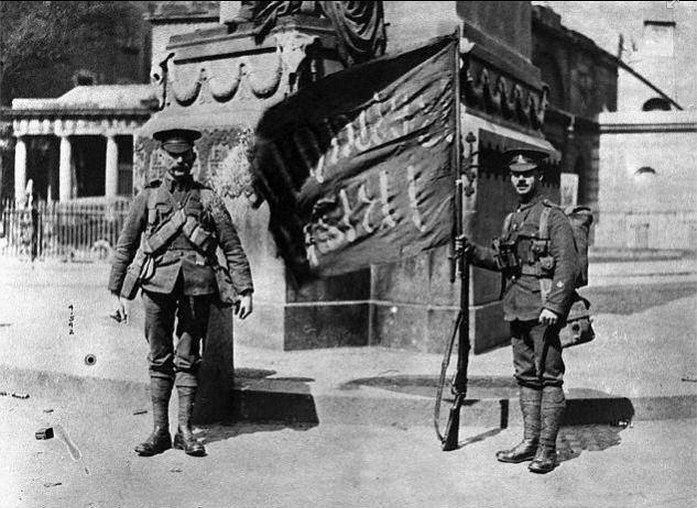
(645, 170)
(83, 77)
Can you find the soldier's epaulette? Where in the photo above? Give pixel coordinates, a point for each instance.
(152, 184)
(551, 204)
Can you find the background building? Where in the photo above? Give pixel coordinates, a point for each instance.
(647, 179)
(47, 49)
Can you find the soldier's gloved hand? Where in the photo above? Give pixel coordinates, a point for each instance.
(244, 305)
(119, 314)
(547, 317)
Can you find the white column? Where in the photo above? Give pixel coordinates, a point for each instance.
(20, 168)
(65, 183)
(111, 178)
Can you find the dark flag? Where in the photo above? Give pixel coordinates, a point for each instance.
(358, 168)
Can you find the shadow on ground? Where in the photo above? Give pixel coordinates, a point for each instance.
(619, 300)
(479, 437)
(221, 432)
(260, 397)
(574, 440)
(478, 387)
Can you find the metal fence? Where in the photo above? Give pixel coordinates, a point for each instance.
(72, 231)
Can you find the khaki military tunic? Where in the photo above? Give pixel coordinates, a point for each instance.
(522, 297)
(182, 285)
(537, 352)
(180, 258)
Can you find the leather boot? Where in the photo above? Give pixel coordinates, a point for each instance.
(530, 400)
(553, 404)
(184, 439)
(159, 440)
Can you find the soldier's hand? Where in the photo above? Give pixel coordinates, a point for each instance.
(547, 317)
(244, 306)
(119, 315)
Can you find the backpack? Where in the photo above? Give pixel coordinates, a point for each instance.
(580, 218)
(578, 328)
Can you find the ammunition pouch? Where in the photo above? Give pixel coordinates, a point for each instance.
(578, 328)
(506, 256)
(140, 270)
(202, 239)
(163, 234)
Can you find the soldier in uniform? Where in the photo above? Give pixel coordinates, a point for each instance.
(174, 231)
(538, 287)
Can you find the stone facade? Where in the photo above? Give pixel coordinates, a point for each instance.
(647, 181)
(582, 82)
(657, 39)
(168, 18)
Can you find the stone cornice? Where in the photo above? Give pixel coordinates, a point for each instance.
(61, 112)
(500, 56)
(214, 72)
(647, 122)
(219, 41)
(574, 38)
(578, 123)
(184, 19)
(491, 90)
(80, 126)
(610, 128)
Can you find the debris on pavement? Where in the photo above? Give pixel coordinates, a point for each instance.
(690, 379)
(48, 410)
(20, 395)
(44, 433)
(52, 484)
(175, 470)
(140, 412)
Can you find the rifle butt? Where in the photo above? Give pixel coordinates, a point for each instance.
(452, 429)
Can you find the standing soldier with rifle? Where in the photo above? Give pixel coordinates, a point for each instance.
(538, 288)
(171, 239)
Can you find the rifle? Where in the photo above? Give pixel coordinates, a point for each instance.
(459, 264)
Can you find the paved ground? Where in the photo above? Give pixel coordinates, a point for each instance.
(645, 346)
(645, 354)
(90, 463)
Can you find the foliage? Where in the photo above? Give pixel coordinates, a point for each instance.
(45, 38)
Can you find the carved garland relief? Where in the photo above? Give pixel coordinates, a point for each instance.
(220, 81)
(498, 94)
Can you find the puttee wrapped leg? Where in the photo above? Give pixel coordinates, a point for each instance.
(530, 403)
(553, 404)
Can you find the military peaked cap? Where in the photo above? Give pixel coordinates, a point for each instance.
(524, 159)
(177, 140)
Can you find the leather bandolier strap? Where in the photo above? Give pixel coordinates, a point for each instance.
(533, 253)
(142, 267)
